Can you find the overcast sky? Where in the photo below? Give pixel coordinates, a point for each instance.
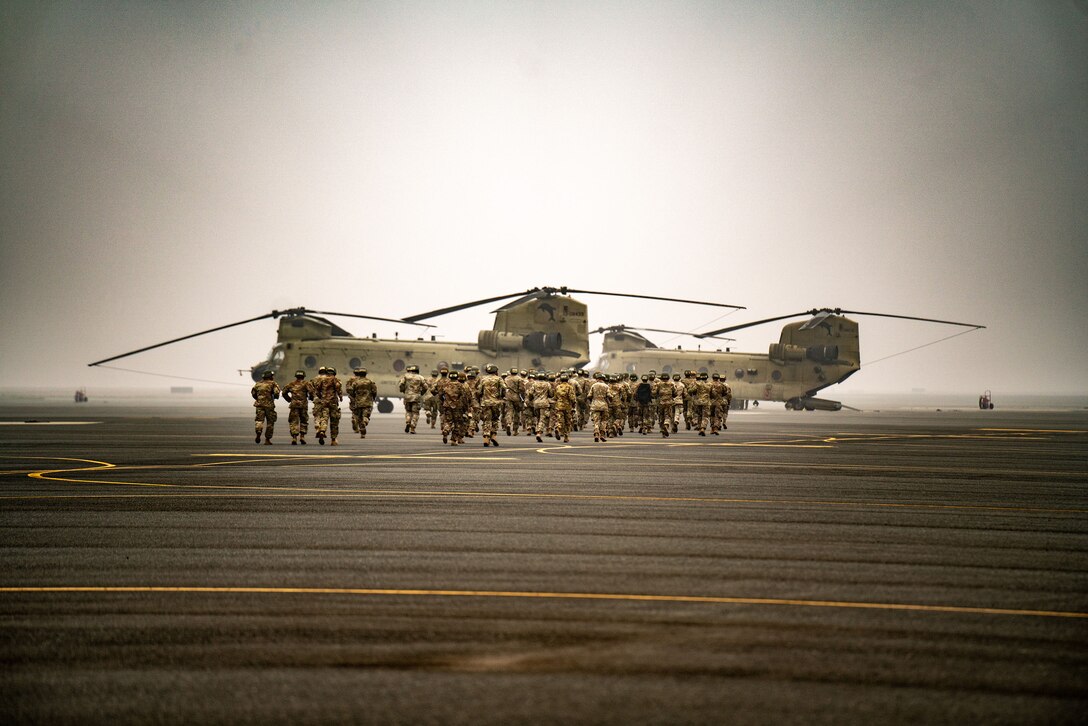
(170, 167)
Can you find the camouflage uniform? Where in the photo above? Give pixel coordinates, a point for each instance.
(540, 392)
(617, 408)
(490, 393)
(680, 402)
(361, 394)
(298, 394)
(566, 401)
(723, 409)
(452, 399)
(327, 395)
(515, 402)
(700, 404)
(599, 397)
(430, 400)
(632, 404)
(665, 393)
(412, 386)
(265, 393)
(472, 422)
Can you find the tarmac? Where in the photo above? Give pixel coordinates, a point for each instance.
(815, 567)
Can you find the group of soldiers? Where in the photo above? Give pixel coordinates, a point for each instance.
(538, 403)
(326, 391)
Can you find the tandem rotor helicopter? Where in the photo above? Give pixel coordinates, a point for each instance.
(545, 328)
(808, 357)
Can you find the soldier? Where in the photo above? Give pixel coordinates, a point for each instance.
(666, 394)
(566, 401)
(430, 400)
(685, 409)
(528, 413)
(472, 422)
(617, 407)
(452, 398)
(632, 403)
(265, 392)
(540, 398)
(717, 400)
(727, 402)
(298, 394)
(679, 401)
(412, 386)
(319, 405)
(599, 398)
(361, 394)
(515, 401)
(700, 403)
(490, 393)
(328, 393)
(644, 395)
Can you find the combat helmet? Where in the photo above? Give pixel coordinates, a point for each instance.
(268, 375)
(300, 374)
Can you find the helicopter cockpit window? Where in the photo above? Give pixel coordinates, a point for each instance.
(277, 355)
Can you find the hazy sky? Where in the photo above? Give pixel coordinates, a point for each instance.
(169, 167)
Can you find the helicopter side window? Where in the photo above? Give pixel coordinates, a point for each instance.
(666, 369)
(776, 375)
(739, 373)
(355, 363)
(398, 365)
(310, 361)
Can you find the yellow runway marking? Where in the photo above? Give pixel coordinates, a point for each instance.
(624, 597)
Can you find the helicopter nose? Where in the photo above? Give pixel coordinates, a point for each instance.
(257, 371)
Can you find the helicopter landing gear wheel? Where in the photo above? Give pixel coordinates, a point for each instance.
(385, 406)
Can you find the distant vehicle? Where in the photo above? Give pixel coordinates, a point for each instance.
(984, 401)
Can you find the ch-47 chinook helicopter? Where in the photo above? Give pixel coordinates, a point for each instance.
(543, 328)
(809, 356)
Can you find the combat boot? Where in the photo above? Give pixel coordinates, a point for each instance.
(321, 437)
(257, 439)
(494, 442)
(539, 439)
(333, 443)
(302, 440)
(294, 441)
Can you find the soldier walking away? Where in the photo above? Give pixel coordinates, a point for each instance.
(700, 403)
(540, 393)
(452, 398)
(319, 405)
(666, 393)
(430, 400)
(361, 394)
(644, 396)
(413, 386)
(265, 392)
(566, 402)
(515, 401)
(298, 394)
(598, 398)
(490, 393)
(327, 394)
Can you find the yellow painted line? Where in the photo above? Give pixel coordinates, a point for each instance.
(1041, 431)
(301, 491)
(623, 597)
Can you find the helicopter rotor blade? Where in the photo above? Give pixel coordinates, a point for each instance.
(565, 290)
(365, 317)
(555, 291)
(621, 328)
(272, 314)
(464, 306)
(908, 317)
(835, 311)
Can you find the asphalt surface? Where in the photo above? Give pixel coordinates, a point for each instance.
(816, 567)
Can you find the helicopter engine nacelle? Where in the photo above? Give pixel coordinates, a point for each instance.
(496, 341)
(822, 353)
(783, 353)
(543, 343)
